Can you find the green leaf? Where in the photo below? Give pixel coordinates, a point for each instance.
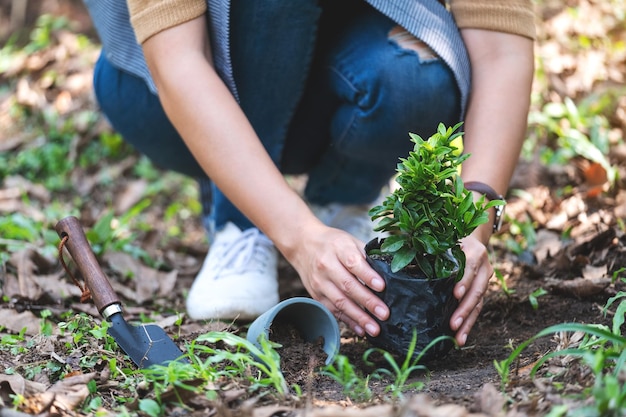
(150, 407)
(441, 129)
(430, 244)
(385, 224)
(425, 266)
(477, 221)
(532, 298)
(393, 244)
(618, 319)
(494, 203)
(402, 258)
(443, 268)
(466, 203)
(102, 230)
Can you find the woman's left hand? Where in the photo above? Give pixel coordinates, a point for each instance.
(471, 288)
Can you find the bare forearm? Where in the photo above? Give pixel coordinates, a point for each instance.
(221, 139)
(495, 126)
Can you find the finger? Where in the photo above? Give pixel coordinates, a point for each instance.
(463, 332)
(351, 313)
(350, 297)
(354, 285)
(356, 264)
(477, 283)
(340, 316)
(477, 258)
(337, 311)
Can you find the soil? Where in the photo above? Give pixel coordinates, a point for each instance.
(461, 376)
(299, 358)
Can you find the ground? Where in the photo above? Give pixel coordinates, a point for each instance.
(558, 259)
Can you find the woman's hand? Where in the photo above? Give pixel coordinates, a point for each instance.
(495, 127)
(333, 269)
(471, 288)
(330, 262)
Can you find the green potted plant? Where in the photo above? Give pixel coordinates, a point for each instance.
(421, 258)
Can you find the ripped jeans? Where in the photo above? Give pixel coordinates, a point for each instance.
(331, 88)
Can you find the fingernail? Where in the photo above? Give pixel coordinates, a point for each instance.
(370, 328)
(380, 312)
(463, 338)
(378, 284)
(359, 330)
(458, 322)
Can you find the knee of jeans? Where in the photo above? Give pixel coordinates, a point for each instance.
(395, 97)
(404, 40)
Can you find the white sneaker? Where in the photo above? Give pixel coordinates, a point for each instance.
(239, 277)
(349, 218)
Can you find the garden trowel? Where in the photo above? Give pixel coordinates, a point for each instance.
(145, 344)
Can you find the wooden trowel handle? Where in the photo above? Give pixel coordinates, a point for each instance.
(78, 246)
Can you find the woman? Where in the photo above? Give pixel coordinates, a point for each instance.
(244, 91)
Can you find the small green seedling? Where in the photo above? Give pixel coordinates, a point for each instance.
(532, 298)
(355, 386)
(208, 363)
(507, 291)
(400, 373)
(602, 350)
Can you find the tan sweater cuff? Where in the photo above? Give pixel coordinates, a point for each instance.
(150, 17)
(516, 17)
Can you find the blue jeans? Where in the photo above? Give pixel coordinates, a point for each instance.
(325, 88)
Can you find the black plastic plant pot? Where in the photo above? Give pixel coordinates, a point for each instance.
(415, 303)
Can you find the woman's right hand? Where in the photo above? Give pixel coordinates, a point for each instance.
(331, 263)
(333, 269)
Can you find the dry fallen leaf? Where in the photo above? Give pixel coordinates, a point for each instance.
(336, 411)
(33, 190)
(132, 193)
(548, 243)
(23, 261)
(63, 397)
(34, 284)
(28, 96)
(149, 282)
(490, 401)
(596, 179)
(15, 322)
(579, 287)
(16, 384)
(595, 272)
(73, 389)
(271, 411)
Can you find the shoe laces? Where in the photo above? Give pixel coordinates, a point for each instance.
(251, 250)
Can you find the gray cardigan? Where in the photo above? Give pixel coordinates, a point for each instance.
(427, 20)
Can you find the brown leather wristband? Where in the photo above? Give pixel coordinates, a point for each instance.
(491, 194)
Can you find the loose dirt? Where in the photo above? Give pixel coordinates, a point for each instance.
(299, 358)
(506, 321)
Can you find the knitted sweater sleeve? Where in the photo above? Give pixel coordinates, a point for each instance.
(150, 17)
(510, 16)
